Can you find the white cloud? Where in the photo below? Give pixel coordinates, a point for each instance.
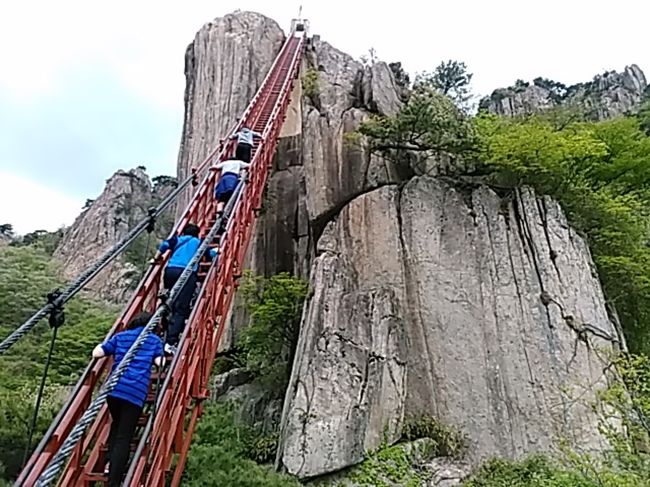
(29, 206)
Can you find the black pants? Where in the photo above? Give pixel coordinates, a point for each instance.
(181, 306)
(243, 152)
(124, 415)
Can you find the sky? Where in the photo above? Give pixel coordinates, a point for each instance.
(87, 88)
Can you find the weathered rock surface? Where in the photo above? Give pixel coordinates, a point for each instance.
(122, 204)
(255, 405)
(224, 67)
(338, 168)
(461, 305)
(606, 96)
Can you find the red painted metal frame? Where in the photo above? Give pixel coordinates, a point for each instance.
(181, 402)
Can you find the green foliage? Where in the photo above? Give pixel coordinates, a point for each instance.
(268, 342)
(263, 448)
(310, 83)
(386, 467)
(625, 415)
(220, 453)
(644, 117)
(628, 401)
(535, 471)
(446, 441)
(427, 125)
(42, 239)
(16, 409)
(600, 174)
(162, 181)
(558, 90)
(449, 78)
(26, 276)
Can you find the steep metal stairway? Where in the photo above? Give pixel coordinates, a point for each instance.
(174, 404)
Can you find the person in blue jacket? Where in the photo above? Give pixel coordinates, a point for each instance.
(183, 248)
(126, 400)
(245, 143)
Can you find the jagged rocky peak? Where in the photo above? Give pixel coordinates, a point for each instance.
(224, 66)
(608, 95)
(105, 221)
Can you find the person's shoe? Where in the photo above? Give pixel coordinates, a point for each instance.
(107, 468)
(170, 349)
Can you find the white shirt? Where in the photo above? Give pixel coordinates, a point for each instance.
(234, 166)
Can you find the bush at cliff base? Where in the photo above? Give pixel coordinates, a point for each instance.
(221, 452)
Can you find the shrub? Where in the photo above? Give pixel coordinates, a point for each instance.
(269, 341)
(310, 83)
(220, 452)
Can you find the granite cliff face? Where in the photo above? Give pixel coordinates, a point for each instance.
(122, 204)
(224, 67)
(425, 297)
(429, 299)
(607, 95)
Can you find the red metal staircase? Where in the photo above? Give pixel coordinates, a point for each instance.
(164, 432)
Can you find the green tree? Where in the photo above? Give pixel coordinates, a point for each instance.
(450, 78)
(429, 124)
(599, 173)
(6, 230)
(644, 117)
(269, 341)
(27, 274)
(401, 77)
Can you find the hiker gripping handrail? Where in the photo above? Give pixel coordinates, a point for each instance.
(58, 461)
(57, 299)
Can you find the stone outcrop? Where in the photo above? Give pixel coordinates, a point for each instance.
(425, 298)
(122, 204)
(607, 95)
(483, 312)
(224, 67)
(314, 158)
(254, 404)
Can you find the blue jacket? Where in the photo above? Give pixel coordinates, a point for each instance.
(183, 247)
(134, 383)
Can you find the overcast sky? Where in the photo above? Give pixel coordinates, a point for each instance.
(87, 88)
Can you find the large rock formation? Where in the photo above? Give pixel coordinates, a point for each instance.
(123, 203)
(224, 67)
(424, 298)
(434, 300)
(606, 96)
